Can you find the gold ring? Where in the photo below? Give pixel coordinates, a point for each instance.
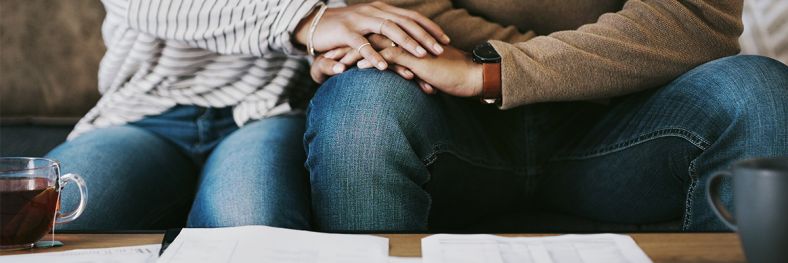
(380, 29)
(362, 45)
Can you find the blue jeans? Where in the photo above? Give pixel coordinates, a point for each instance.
(190, 161)
(383, 156)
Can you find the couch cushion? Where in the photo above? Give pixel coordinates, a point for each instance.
(31, 140)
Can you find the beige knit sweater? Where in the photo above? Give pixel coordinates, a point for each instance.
(563, 50)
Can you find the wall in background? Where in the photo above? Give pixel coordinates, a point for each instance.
(49, 55)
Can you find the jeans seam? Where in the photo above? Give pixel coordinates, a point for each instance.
(200, 125)
(687, 135)
(691, 137)
(690, 196)
(439, 148)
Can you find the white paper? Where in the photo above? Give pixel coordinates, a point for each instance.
(602, 248)
(404, 260)
(134, 254)
(268, 244)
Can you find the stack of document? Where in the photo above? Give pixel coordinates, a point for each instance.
(268, 244)
(602, 248)
(133, 254)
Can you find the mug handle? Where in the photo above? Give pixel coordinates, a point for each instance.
(83, 198)
(713, 197)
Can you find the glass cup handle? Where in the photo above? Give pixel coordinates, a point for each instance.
(713, 197)
(83, 198)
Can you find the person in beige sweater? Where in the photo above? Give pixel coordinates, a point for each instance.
(615, 111)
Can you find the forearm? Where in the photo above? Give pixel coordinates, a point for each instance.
(645, 45)
(227, 27)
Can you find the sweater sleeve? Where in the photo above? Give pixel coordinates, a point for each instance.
(644, 45)
(233, 27)
(456, 22)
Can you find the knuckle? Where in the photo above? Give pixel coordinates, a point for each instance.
(366, 9)
(400, 20)
(400, 51)
(387, 53)
(325, 66)
(415, 15)
(393, 52)
(406, 20)
(352, 16)
(348, 60)
(426, 36)
(376, 38)
(411, 43)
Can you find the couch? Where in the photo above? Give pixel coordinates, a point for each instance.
(50, 52)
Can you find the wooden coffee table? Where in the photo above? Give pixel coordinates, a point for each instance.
(672, 247)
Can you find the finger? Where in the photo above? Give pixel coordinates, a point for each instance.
(323, 68)
(335, 54)
(426, 87)
(363, 64)
(360, 44)
(351, 58)
(396, 34)
(397, 55)
(402, 71)
(331, 54)
(412, 29)
(380, 42)
(393, 31)
(316, 73)
(433, 28)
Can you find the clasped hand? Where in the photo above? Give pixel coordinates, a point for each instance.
(397, 39)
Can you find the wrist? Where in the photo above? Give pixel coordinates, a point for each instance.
(486, 55)
(301, 34)
(476, 79)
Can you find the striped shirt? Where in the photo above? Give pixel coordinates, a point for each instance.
(208, 53)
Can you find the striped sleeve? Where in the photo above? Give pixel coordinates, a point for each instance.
(232, 27)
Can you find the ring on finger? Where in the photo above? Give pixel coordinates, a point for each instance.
(362, 46)
(380, 29)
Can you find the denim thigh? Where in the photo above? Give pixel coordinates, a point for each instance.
(646, 158)
(255, 176)
(135, 179)
(384, 156)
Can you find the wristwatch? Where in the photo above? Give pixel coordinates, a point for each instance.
(486, 55)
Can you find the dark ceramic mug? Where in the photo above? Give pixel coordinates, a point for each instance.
(760, 199)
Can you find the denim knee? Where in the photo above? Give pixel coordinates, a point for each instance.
(358, 112)
(748, 89)
(364, 174)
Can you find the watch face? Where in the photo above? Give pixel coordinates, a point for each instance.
(485, 53)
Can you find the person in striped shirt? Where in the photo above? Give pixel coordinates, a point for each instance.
(202, 104)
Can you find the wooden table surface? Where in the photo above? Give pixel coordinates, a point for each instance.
(683, 247)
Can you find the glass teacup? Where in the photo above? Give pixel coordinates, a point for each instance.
(29, 200)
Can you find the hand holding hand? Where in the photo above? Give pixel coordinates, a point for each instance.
(347, 26)
(338, 60)
(452, 72)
